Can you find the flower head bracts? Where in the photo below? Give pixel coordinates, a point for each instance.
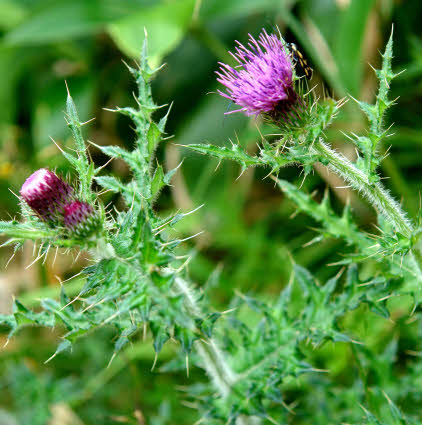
(46, 194)
(80, 218)
(262, 80)
(52, 200)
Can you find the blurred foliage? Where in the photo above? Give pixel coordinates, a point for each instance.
(250, 236)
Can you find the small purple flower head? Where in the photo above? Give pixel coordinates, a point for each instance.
(46, 194)
(80, 218)
(263, 80)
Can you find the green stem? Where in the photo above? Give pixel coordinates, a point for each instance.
(376, 194)
(103, 249)
(213, 358)
(214, 361)
(416, 259)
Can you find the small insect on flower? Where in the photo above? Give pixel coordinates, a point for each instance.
(300, 62)
(46, 194)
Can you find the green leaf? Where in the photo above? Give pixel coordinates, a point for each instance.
(186, 337)
(115, 152)
(218, 9)
(63, 346)
(22, 315)
(16, 60)
(304, 278)
(110, 183)
(333, 225)
(206, 325)
(396, 413)
(236, 153)
(12, 13)
(154, 137)
(25, 231)
(157, 182)
(166, 24)
(61, 20)
(160, 334)
(72, 159)
(124, 338)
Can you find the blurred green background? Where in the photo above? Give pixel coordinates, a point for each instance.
(249, 232)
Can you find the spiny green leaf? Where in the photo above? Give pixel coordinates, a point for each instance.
(153, 136)
(304, 278)
(7, 320)
(186, 337)
(25, 230)
(161, 336)
(236, 153)
(335, 226)
(110, 183)
(124, 338)
(157, 182)
(63, 346)
(206, 325)
(116, 152)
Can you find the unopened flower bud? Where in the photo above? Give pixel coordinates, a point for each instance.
(80, 218)
(46, 194)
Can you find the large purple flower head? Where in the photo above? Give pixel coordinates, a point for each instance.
(263, 80)
(46, 194)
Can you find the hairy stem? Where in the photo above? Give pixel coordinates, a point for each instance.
(213, 358)
(103, 249)
(214, 362)
(376, 194)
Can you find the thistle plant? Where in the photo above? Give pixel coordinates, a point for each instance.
(255, 353)
(268, 86)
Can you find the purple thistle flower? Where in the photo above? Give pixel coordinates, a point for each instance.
(80, 218)
(263, 80)
(46, 194)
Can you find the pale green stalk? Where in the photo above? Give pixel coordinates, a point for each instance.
(213, 358)
(376, 194)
